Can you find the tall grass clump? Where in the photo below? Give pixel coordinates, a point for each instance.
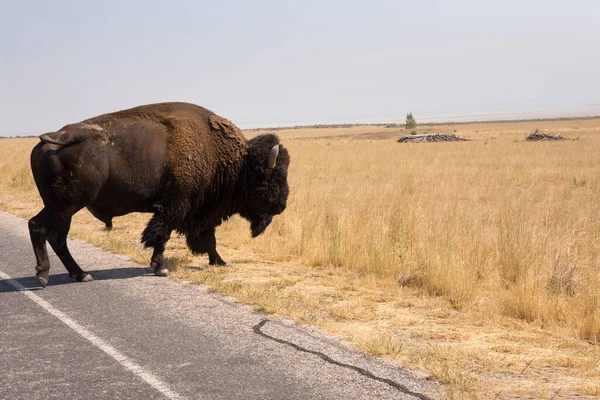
(15, 171)
(465, 221)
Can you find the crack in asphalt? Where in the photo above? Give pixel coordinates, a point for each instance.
(257, 329)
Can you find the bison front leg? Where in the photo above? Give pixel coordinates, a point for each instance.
(205, 242)
(156, 235)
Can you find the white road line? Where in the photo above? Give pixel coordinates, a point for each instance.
(138, 370)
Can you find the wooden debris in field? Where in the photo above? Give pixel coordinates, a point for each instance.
(431, 137)
(538, 135)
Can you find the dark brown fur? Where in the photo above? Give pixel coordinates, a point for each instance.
(189, 167)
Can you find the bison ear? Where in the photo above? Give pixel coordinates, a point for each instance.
(273, 154)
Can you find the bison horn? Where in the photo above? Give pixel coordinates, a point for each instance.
(273, 154)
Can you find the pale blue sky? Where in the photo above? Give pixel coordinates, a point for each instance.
(266, 63)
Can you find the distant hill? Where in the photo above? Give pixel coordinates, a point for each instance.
(18, 135)
(401, 125)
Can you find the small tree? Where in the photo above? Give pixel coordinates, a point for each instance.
(410, 121)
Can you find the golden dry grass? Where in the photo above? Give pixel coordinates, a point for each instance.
(475, 261)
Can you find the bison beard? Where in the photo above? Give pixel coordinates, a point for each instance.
(186, 165)
(258, 226)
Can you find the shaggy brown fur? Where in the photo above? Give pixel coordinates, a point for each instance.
(188, 166)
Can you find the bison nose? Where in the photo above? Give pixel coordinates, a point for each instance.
(278, 209)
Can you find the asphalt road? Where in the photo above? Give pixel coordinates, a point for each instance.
(131, 335)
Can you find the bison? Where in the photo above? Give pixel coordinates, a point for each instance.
(188, 166)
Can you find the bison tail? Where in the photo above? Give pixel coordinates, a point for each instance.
(45, 138)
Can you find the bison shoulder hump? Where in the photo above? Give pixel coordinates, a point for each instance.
(226, 127)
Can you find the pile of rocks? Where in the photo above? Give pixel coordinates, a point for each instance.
(537, 135)
(431, 137)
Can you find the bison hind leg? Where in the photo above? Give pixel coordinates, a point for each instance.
(38, 227)
(57, 237)
(53, 226)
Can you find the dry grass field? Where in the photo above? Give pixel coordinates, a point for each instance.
(477, 261)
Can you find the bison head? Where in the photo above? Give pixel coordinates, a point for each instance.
(265, 181)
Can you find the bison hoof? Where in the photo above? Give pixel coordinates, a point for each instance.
(161, 272)
(85, 277)
(42, 280)
(42, 268)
